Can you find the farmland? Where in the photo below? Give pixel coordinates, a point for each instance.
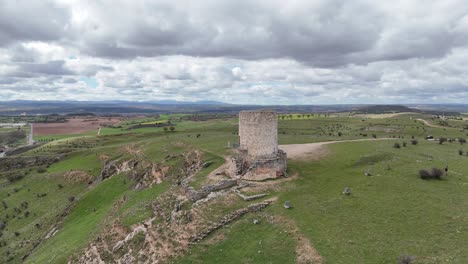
(390, 214)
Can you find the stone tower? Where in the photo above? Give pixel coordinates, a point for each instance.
(258, 157)
(258, 132)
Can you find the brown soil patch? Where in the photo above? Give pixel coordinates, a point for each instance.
(74, 126)
(103, 157)
(132, 149)
(314, 151)
(305, 251)
(77, 176)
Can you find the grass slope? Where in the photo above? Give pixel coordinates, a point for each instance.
(390, 213)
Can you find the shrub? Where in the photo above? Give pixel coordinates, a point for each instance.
(442, 140)
(374, 135)
(15, 177)
(414, 142)
(42, 169)
(435, 173)
(424, 174)
(172, 128)
(404, 143)
(396, 145)
(462, 141)
(460, 152)
(71, 199)
(405, 259)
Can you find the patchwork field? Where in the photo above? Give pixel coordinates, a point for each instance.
(74, 126)
(71, 205)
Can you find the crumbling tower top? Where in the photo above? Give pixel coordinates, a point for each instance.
(258, 132)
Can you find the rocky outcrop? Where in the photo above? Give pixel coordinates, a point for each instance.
(21, 149)
(228, 219)
(195, 195)
(15, 163)
(248, 198)
(115, 167)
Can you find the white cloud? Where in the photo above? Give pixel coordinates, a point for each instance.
(264, 52)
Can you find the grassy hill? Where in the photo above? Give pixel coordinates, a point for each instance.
(78, 206)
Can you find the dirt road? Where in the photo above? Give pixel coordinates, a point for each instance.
(429, 124)
(315, 151)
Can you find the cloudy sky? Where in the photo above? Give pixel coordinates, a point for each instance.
(256, 52)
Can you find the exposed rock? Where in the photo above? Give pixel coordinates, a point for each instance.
(248, 198)
(14, 163)
(347, 191)
(228, 219)
(194, 195)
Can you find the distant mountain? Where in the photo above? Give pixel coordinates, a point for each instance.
(205, 106)
(384, 109)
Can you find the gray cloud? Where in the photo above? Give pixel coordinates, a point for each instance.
(49, 68)
(237, 51)
(32, 21)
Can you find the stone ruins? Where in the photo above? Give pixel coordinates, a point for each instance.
(258, 158)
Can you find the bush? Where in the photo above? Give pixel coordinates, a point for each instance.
(405, 259)
(462, 141)
(435, 173)
(15, 177)
(414, 142)
(396, 145)
(404, 144)
(460, 152)
(442, 140)
(424, 174)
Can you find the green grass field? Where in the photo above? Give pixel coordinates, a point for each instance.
(389, 214)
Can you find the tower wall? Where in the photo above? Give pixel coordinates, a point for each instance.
(258, 132)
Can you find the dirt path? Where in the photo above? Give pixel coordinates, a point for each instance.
(216, 174)
(30, 136)
(429, 124)
(315, 150)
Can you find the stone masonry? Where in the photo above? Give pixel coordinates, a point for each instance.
(258, 157)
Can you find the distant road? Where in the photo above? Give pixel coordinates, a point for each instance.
(30, 138)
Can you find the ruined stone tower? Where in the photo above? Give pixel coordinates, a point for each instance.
(258, 132)
(258, 157)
